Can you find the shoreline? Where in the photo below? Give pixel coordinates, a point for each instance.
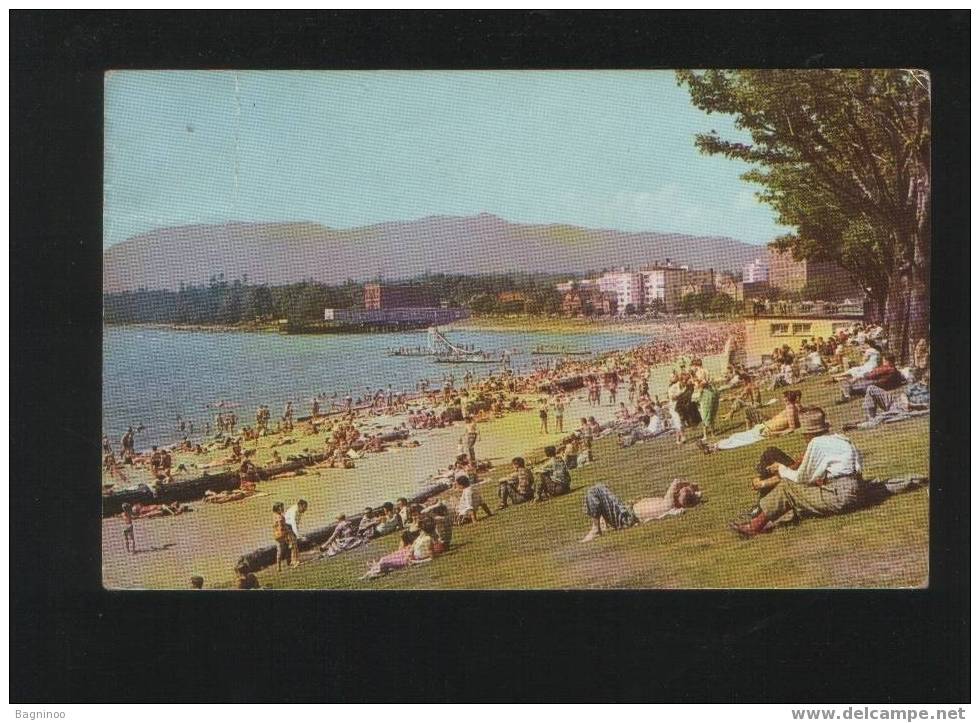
(210, 539)
(518, 323)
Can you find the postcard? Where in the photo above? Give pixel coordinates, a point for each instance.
(432, 330)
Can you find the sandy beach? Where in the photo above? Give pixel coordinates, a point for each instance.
(209, 540)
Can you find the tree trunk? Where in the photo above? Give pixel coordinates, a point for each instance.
(896, 319)
(919, 278)
(907, 305)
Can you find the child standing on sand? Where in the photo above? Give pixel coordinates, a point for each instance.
(560, 414)
(129, 537)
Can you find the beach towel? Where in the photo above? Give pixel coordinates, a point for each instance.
(744, 439)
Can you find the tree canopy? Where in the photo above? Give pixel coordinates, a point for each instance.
(843, 156)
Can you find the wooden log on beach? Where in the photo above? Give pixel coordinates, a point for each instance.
(193, 489)
(266, 556)
(566, 384)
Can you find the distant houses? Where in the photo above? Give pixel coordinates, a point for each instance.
(663, 286)
(660, 286)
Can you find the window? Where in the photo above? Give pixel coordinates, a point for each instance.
(801, 328)
(778, 329)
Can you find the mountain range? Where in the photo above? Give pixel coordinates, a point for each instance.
(279, 253)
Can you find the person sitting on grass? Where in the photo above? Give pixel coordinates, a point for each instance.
(344, 537)
(443, 522)
(570, 451)
(412, 551)
(470, 501)
(880, 403)
(555, 478)
(245, 580)
(518, 488)
(885, 376)
(402, 509)
(869, 361)
(606, 510)
(367, 524)
(748, 398)
(826, 481)
(390, 520)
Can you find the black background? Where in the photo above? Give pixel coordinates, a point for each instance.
(71, 641)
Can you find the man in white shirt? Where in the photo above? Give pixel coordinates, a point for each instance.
(827, 480)
(293, 516)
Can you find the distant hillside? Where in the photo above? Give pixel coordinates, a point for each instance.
(277, 253)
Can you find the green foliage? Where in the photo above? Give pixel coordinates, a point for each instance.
(843, 156)
(221, 302)
(483, 303)
(711, 303)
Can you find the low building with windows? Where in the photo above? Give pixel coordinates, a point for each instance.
(588, 302)
(765, 333)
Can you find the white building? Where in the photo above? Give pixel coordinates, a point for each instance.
(662, 283)
(566, 286)
(626, 285)
(756, 272)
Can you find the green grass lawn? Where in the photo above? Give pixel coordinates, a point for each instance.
(537, 545)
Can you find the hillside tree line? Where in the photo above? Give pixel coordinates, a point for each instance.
(223, 302)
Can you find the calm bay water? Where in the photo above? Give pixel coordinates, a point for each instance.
(150, 376)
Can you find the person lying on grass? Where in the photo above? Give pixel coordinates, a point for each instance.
(606, 510)
(220, 498)
(784, 422)
(161, 510)
(411, 551)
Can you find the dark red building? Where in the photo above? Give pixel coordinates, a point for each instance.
(383, 296)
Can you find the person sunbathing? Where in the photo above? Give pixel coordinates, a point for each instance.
(162, 510)
(783, 423)
(220, 498)
(605, 509)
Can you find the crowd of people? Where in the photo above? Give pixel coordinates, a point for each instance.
(691, 402)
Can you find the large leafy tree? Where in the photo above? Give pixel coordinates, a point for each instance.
(843, 156)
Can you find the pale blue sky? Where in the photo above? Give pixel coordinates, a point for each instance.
(592, 148)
